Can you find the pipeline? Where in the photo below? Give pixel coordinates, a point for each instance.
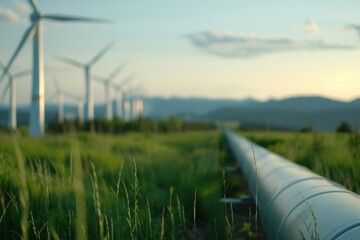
(292, 201)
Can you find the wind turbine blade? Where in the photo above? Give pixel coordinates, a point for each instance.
(27, 34)
(101, 53)
(3, 95)
(34, 6)
(69, 61)
(2, 66)
(65, 18)
(4, 72)
(66, 94)
(51, 97)
(71, 95)
(138, 89)
(126, 81)
(22, 73)
(116, 72)
(99, 79)
(56, 83)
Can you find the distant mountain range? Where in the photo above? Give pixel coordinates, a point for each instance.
(321, 113)
(157, 107)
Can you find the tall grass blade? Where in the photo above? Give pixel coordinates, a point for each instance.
(194, 214)
(149, 219)
(97, 200)
(162, 224)
(81, 225)
(24, 191)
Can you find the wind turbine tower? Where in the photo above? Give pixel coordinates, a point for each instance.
(89, 91)
(135, 102)
(139, 106)
(79, 102)
(60, 97)
(11, 86)
(125, 105)
(37, 115)
(106, 82)
(119, 95)
(61, 94)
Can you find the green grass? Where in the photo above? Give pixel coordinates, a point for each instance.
(134, 186)
(334, 156)
(144, 186)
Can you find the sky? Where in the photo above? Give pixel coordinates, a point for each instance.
(230, 49)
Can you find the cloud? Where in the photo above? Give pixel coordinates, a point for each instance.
(354, 27)
(22, 6)
(310, 27)
(227, 44)
(8, 15)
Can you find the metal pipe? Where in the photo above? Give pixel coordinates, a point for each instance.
(292, 200)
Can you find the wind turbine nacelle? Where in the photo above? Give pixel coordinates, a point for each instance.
(35, 17)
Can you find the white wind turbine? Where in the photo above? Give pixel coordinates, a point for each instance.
(11, 86)
(89, 92)
(80, 104)
(119, 96)
(125, 105)
(137, 102)
(129, 102)
(107, 81)
(59, 93)
(37, 115)
(139, 105)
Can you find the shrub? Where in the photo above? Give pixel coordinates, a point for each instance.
(344, 127)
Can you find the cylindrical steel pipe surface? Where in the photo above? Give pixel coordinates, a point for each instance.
(294, 202)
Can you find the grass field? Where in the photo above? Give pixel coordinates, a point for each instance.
(143, 186)
(134, 186)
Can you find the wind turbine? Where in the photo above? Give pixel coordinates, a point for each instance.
(80, 104)
(37, 115)
(61, 94)
(139, 105)
(125, 106)
(137, 102)
(89, 92)
(119, 96)
(106, 81)
(11, 86)
(129, 102)
(60, 97)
